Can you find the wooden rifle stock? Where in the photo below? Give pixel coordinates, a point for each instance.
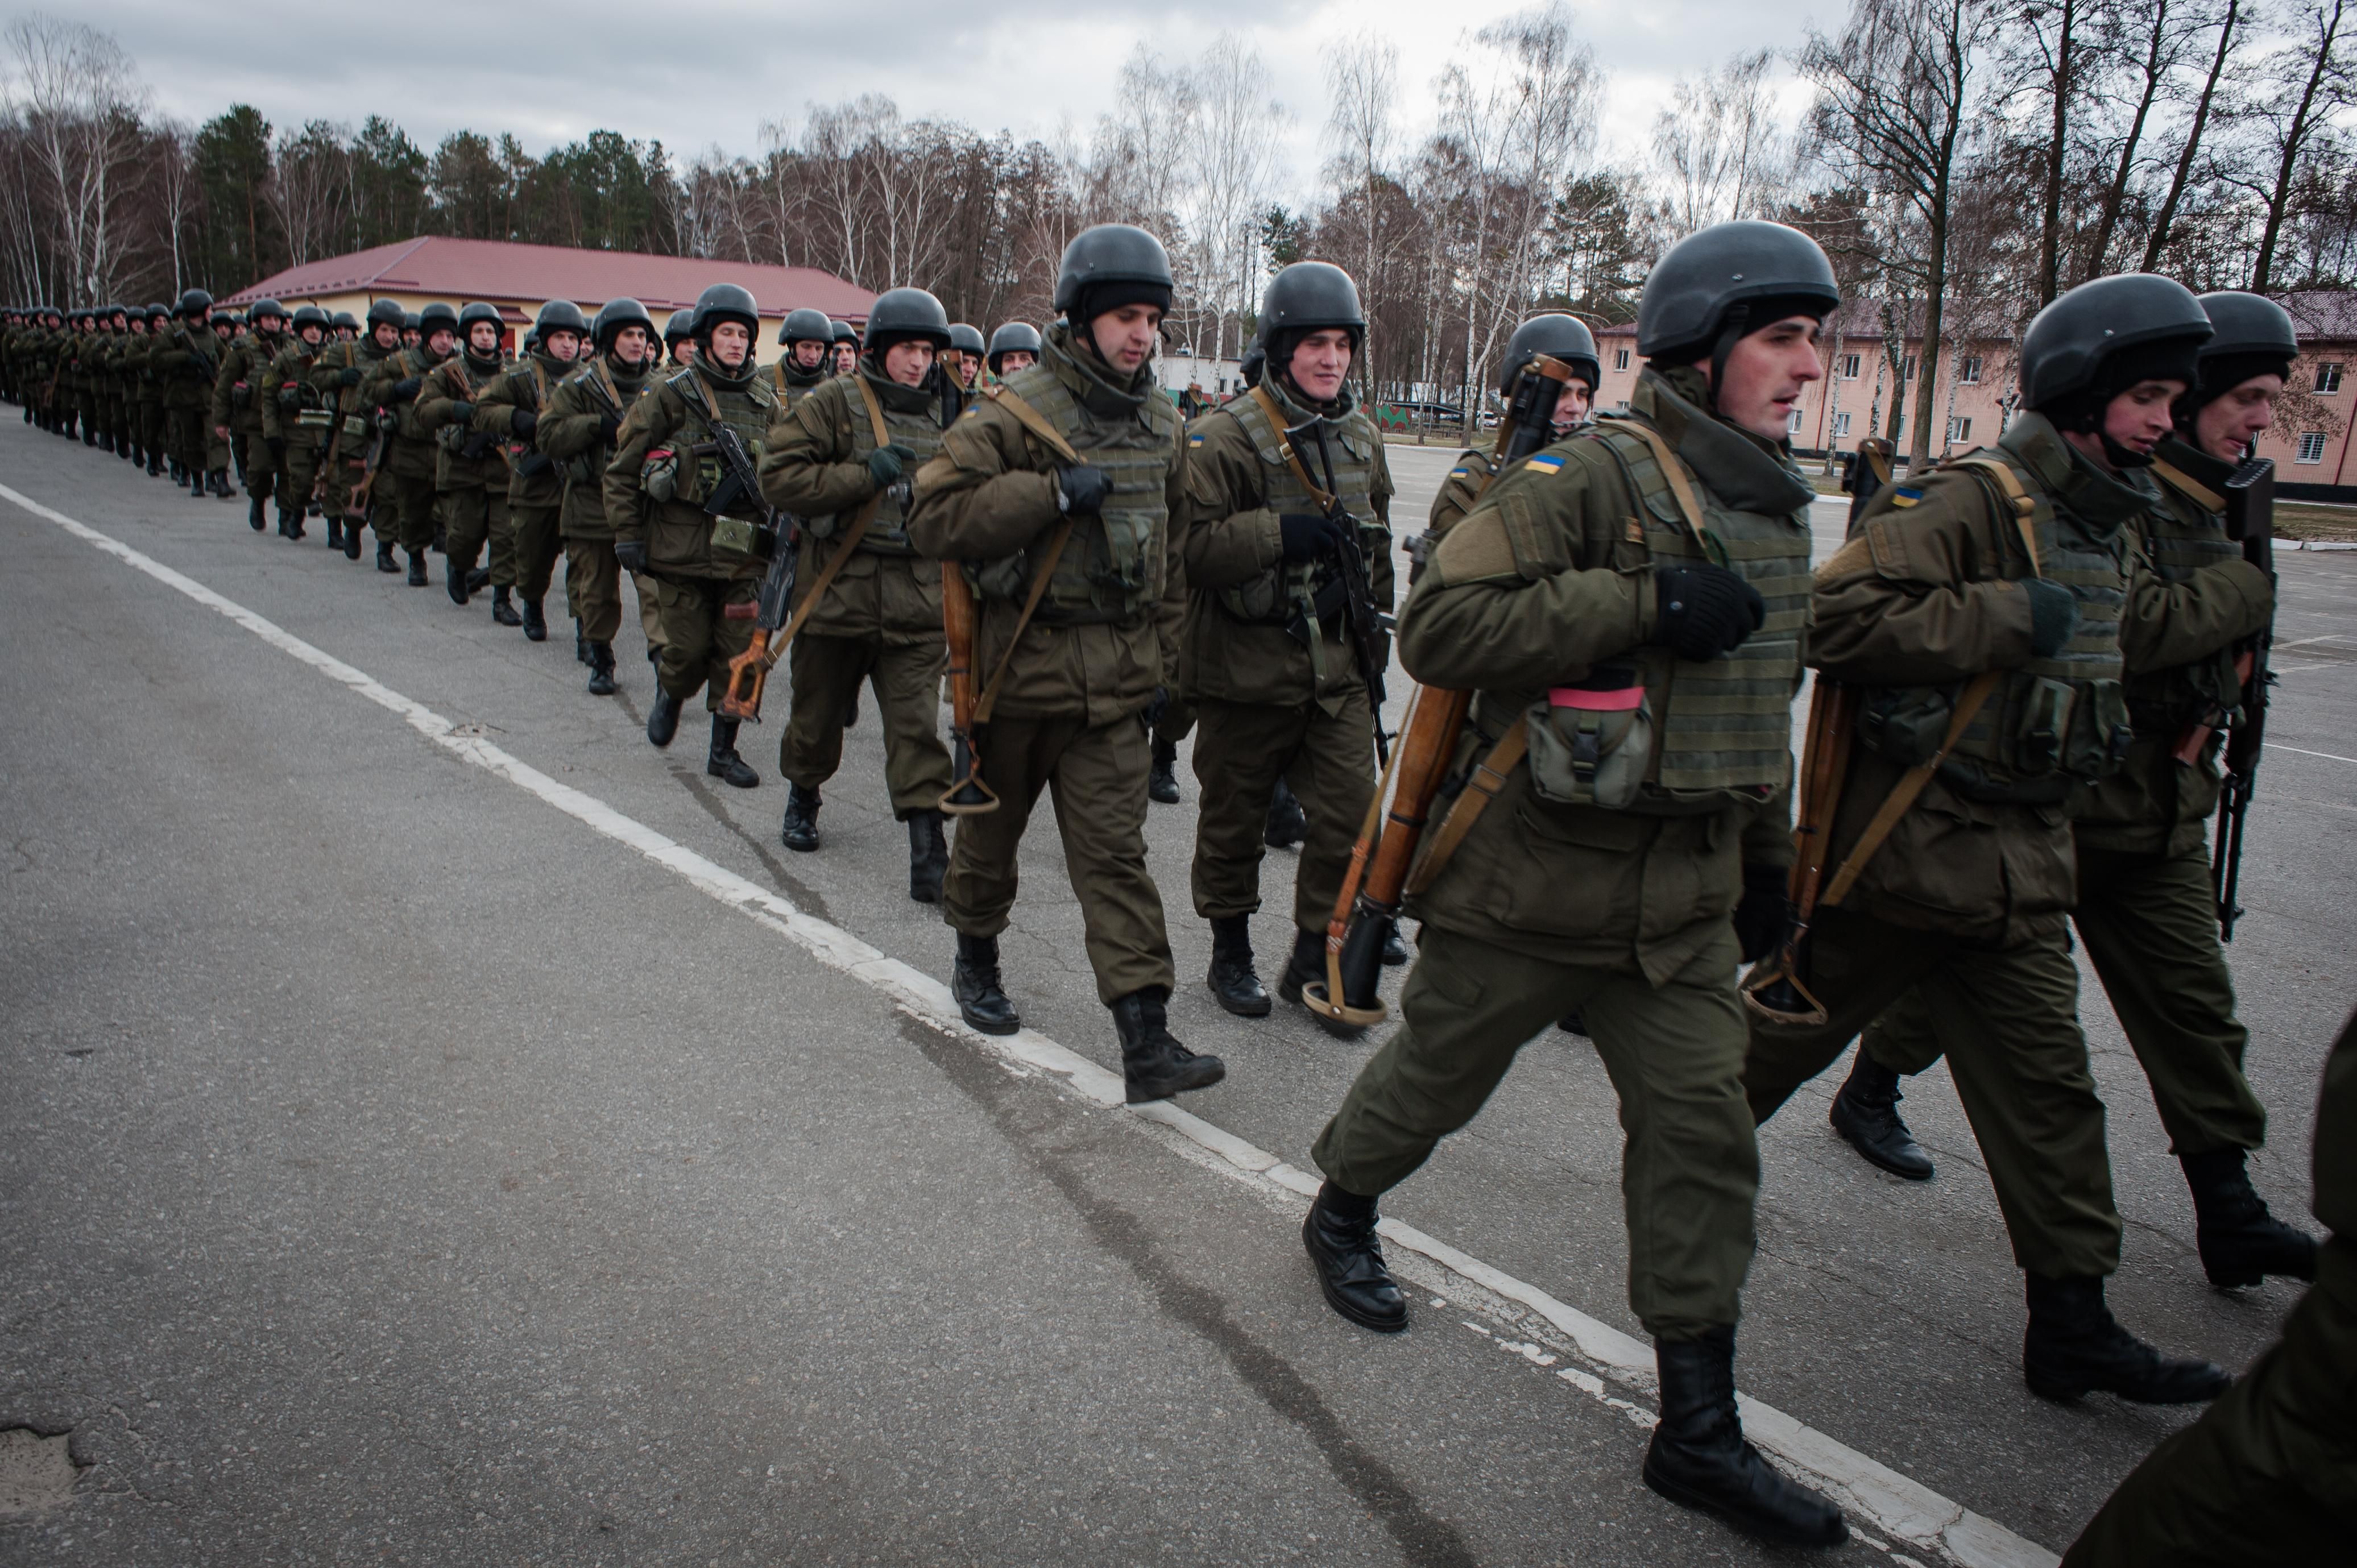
(1774, 989)
(968, 796)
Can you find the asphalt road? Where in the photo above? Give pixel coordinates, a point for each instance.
(402, 1170)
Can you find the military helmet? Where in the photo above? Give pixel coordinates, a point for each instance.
(479, 311)
(531, 340)
(560, 316)
(1309, 297)
(1014, 336)
(439, 318)
(1108, 266)
(222, 316)
(344, 320)
(844, 332)
(387, 312)
(112, 311)
(193, 302)
(411, 321)
(1558, 337)
(901, 314)
(262, 307)
(724, 302)
(967, 339)
(1716, 284)
(681, 326)
(2251, 335)
(2102, 337)
(805, 325)
(615, 315)
(160, 311)
(310, 316)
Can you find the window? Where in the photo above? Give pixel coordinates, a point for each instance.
(2311, 442)
(1959, 428)
(1849, 366)
(1620, 359)
(1841, 421)
(1794, 426)
(1968, 370)
(2328, 377)
(1907, 367)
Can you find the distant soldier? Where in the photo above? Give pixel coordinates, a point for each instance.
(409, 463)
(679, 340)
(1558, 337)
(1013, 347)
(472, 468)
(577, 432)
(846, 349)
(185, 365)
(237, 404)
(294, 424)
(151, 422)
(966, 354)
(347, 325)
(349, 376)
(508, 411)
(808, 338)
(220, 453)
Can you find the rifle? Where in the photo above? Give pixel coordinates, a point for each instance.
(1365, 625)
(2249, 493)
(969, 796)
(332, 453)
(356, 506)
(1386, 851)
(1774, 990)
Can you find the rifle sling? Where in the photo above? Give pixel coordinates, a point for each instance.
(1490, 776)
(1032, 420)
(1681, 485)
(1911, 785)
(851, 538)
(1301, 474)
(2193, 490)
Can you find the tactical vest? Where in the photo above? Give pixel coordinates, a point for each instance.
(2165, 702)
(888, 531)
(360, 354)
(414, 365)
(788, 385)
(1722, 727)
(1112, 568)
(456, 433)
(2058, 720)
(1307, 594)
(587, 467)
(681, 475)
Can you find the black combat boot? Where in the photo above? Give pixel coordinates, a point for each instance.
(1156, 1066)
(1339, 1237)
(502, 610)
(384, 561)
(454, 580)
(89, 436)
(221, 486)
(1162, 784)
(1287, 826)
(351, 540)
(1231, 978)
(334, 535)
(196, 490)
(663, 717)
(155, 466)
(1866, 1112)
(580, 643)
(722, 761)
(974, 982)
(601, 669)
(799, 833)
(2074, 1346)
(254, 515)
(1698, 1456)
(928, 857)
(290, 523)
(1307, 963)
(477, 578)
(535, 622)
(2241, 1243)
(1396, 952)
(106, 441)
(417, 568)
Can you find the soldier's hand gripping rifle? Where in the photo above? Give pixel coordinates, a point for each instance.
(1349, 996)
(1365, 626)
(969, 796)
(2249, 493)
(740, 487)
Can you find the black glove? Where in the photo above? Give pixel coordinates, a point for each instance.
(1705, 610)
(609, 424)
(523, 422)
(1081, 489)
(277, 444)
(462, 412)
(630, 555)
(886, 464)
(351, 376)
(1307, 535)
(290, 397)
(2053, 615)
(1151, 715)
(1764, 913)
(406, 387)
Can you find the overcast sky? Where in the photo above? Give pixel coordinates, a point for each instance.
(697, 72)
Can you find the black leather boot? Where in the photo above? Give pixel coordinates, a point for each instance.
(384, 561)
(2241, 1243)
(1287, 826)
(1307, 963)
(502, 611)
(928, 857)
(722, 761)
(477, 579)
(580, 643)
(197, 489)
(454, 579)
(1866, 1112)
(1698, 1456)
(254, 519)
(351, 540)
(221, 486)
(334, 535)
(290, 522)
(155, 466)
(974, 982)
(417, 568)
(1234, 984)
(2074, 1346)
(535, 622)
(601, 669)
(1162, 784)
(1339, 1237)
(1395, 951)
(798, 832)
(663, 717)
(1155, 1065)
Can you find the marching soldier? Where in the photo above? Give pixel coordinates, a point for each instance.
(1977, 618)
(967, 352)
(150, 392)
(846, 349)
(1647, 566)
(237, 405)
(665, 467)
(412, 329)
(508, 411)
(808, 338)
(295, 424)
(577, 432)
(1287, 532)
(348, 377)
(186, 363)
(2147, 906)
(1055, 497)
(839, 459)
(346, 327)
(1557, 337)
(679, 340)
(472, 470)
(1015, 345)
(408, 463)
(112, 364)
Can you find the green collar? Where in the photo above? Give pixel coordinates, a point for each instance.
(896, 399)
(1741, 470)
(1090, 380)
(2101, 500)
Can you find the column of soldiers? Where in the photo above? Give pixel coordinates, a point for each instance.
(2027, 634)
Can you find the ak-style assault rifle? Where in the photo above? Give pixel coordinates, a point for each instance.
(1365, 626)
(2249, 493)
(740, 487)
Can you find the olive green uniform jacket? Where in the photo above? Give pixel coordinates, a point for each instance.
(570, 434)
(410, 453)
(462, 378)
(532, 479)
(237, 389)
(679, 536)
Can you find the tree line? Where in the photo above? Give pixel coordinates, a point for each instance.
(1962, 160)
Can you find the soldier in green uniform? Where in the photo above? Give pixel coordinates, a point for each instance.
(1056, 498)
(1013, 347)
(294, 420)
(1623, 858)
(81, 373)
(150, 392)
(578, 430)
(846, 349)
(115, 334)
(1267, 658)
(808, 337)
(664, 471)
(408, 466)
(967, 352)
(237, 405)
(471, 469)
(2146, 905)
(222, 454)
(186, 363)
(508, 411)
(1557, 337)
(346, 375)
(1978, 613)
(679, 340)
(880, 618)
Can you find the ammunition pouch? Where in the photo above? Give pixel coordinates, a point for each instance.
(1592, 744)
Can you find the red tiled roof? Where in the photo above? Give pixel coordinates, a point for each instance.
(461, 270)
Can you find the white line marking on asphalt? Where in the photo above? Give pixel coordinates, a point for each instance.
(2296, 751)
(1904, 1509)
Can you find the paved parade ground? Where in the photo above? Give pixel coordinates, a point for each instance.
(441, 1128)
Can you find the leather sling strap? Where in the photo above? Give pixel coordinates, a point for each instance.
(1489, 776)
(1032, 420)
(2024, 511)
(851, 538)
(1301, 474)
(1681, 485)
(2193, 490)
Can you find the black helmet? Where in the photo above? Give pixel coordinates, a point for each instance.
(901, 314)
(531, 339)
(262, 307)
(411, 321)
(193, 302)
(967, 339)
(222, 316)
(159, 312)
(1015, 337)
(682, 325)
(844, 332)
(479, 311)
(112, 311)
(560, 316)
(1564, 337)
(387, 312)
(1111, 265)
(310, 316)
(1716, 284)
(2251, 335)
(805, 325)
(438, 317)
(1307, 297)
(2102, 337)
(615, 315)
(724, 302)
(345, 321)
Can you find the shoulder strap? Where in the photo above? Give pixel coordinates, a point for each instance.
(1032, 420)
(1268, 406)
(2024, 511)
(1681, 486)
(842, 556)
(2189, 487)
(1911, 785)
(1046, 569)
(1490, 776)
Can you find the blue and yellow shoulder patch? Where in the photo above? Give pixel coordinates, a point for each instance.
(1546, 463)
(1906, 495)
(1193, 439)
(1458, 473)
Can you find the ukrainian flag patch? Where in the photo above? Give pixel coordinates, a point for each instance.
(1458, 473)
(1547, 465)
(1906, 495)
(1194, 441)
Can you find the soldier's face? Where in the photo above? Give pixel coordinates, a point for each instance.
(969, 367)
(483, 337)
(908, 363)
(845, 356)
(1766, 372)
(1014, 359)
(809, 354)
(1320, 361)
(2227, 425)
(441, 342)
(2140, 416)
(563, 346)
(630, 344)
(271, 325)
(312, 334)
(1571, 405)
(386, 337)
(730, 343)
(1125, 335)
(138, 324)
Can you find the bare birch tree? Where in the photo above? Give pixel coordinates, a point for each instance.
(73, 93)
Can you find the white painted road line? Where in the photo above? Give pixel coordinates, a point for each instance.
(2296, 751)
(1872, 1492)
